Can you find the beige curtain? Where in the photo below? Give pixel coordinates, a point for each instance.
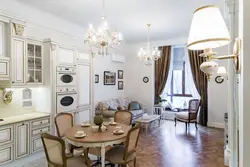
(200, 81)
(161, 71)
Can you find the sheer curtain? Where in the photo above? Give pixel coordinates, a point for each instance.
(178, 102)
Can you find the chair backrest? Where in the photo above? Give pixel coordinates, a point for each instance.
(193, 106)
(54, 150)
(132, 140)
(63, 121)
(124, 117)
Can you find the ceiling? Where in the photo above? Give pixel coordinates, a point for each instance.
(169, 18)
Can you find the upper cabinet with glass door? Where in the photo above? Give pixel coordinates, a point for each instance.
(34, 66)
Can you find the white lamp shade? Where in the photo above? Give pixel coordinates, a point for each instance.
(222, 71)
(208, 29)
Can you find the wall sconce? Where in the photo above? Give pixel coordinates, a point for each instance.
(208, 30)
(7, 95)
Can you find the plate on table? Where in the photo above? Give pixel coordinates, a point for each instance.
(112, 123)
(78, 136)
(85, 125)
(118, 132)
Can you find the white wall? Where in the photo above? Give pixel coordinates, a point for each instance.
(106, 92)
(218, 95)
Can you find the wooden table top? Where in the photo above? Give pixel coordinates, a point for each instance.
(96, 137)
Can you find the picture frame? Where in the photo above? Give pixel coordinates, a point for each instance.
(120, 74)
(120, 85)
(96, 78)
(109, 78)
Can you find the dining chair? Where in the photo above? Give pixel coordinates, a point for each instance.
(63, 122)
(189, 116)
(123, 154)
(124, 117)
(56, 157)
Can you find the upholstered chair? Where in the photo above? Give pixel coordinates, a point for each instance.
(124, 117)
(189, 116)
(54, 148)
(123, 154)
(63, 122)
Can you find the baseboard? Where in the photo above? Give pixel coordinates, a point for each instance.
(216, 125)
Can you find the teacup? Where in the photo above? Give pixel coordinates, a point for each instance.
(95, 128)
(118, 128)
(103, 128)
(111, 120)
(80, 133)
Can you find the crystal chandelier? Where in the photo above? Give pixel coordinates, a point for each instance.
(103, 38)
(149, 54)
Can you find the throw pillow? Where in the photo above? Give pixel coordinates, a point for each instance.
(134, 105)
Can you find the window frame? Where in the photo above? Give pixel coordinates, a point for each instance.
(183, 94)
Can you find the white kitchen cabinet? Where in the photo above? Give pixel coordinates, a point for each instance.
(6, 154)
(66, 56)
(83, 57)
(34, 63)
(22, 140)
(36, 145)
(6, 135)
(4, 68)
(18, 61)
(81, 115)
(84, 84)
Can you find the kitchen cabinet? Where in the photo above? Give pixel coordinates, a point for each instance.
(18, 140)
(6, 135)
(84, 84)
(66, 56)
(6, 154)
(27, 62)
(81, 115)
(22, 140)
(4, 68)
(18, 60)
(34, 61)
(83, 57)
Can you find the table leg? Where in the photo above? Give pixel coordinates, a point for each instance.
(146, 129)
(103, 154)
(159, 122)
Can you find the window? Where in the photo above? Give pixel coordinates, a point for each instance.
(180, 87)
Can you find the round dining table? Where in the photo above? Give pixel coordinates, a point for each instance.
(97, 139)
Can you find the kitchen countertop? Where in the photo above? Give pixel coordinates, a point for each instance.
(22, 117)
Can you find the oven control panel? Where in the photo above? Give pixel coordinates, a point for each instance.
(65, 89)
(66, 69)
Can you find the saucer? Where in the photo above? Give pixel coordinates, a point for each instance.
(85, 125)
(80, 136)
(115, 132)
(112, 123)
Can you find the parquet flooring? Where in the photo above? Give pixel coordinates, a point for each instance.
(170, 146)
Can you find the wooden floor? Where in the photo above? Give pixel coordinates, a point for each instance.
(170, 146)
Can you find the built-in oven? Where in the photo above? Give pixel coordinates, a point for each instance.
(66, 100)
(66, 76)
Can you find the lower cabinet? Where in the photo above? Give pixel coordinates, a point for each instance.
(81, 115)
(36, 145)
(22, 140)
(6, 154)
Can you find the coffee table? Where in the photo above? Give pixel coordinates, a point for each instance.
(145, 123)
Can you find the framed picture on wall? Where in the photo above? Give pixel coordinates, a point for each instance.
(120, 74)
(120, 85)
(96, 78)
(109, 78)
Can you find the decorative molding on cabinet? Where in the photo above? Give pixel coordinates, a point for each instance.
(17, 141)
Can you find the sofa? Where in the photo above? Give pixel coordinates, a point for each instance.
(109, 107)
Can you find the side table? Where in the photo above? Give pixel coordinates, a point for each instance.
(159, 109)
